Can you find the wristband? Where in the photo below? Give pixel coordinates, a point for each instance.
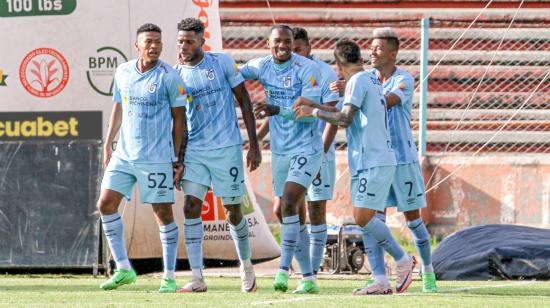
(315, 113)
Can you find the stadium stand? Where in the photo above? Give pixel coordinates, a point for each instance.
(514, 71)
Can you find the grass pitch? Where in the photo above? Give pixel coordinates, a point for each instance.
(83, 291)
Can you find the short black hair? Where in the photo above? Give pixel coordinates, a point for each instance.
(300, 34)
(392, 41)
(347, 52)
(191, 24)
(148, 28)
(389, 35)
(282, 27)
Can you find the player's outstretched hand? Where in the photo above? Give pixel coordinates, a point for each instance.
(178, 173)
(302, 102)
(339, 85)
(304, 111)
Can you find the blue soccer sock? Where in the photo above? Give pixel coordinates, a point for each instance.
(302, 253)
(290, 230)
(114, 231)
(240, 238)
(375, 253)
(380, 232)
(318, 241)
(422, 242)
(169, 237)
(194, 233)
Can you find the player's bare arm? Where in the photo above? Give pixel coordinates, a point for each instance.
(178, 115)
(341, 118)
(263, 130)
(392, 100)
(302, 101)
(330, 131)
(262, 110)
(254, 155)
(181, 150)
(112, 131)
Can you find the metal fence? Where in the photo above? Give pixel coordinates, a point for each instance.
(488, 87)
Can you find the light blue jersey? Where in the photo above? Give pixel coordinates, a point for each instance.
(283, 84)
(328, 76)
(146, 98)
(211, 116)
(369, 143)
(401, 84)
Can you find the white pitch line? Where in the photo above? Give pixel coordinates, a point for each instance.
(278, 301)
(489, 286)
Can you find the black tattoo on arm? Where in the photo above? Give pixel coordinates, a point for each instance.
(342, 118)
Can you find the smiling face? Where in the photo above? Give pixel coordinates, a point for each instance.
(382, 53)
(189, 45)
(149, 46)
(280, 44)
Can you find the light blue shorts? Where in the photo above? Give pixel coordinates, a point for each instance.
(222, 168)
(407, 191)
(370, 187)
(322, 187)
(155, 181)
(299, 168)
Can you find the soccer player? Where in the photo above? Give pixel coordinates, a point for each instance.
(213, 150)
(311, 247)
(371, 159)
(407, 191)
(296, 145)
(149, 97)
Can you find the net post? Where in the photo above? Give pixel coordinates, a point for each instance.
(424, 42)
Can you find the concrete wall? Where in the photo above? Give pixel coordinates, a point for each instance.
(486, 190)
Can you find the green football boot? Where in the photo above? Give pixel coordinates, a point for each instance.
(428, 283)
(307, 287)
(121, 277)
(167, 286)
(281, 282)
(369, 281)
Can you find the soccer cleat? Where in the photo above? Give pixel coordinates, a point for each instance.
(369, 281)
(307, 287)
(403, 275)
(281, 282)
(167, 286)
(248, 279)
(428, 283)
(196, 285)
(121, 277)
(373, 288)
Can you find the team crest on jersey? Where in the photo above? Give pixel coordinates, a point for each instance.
(152, 88)
(402, 86)
(287, 81)
(210, 74)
